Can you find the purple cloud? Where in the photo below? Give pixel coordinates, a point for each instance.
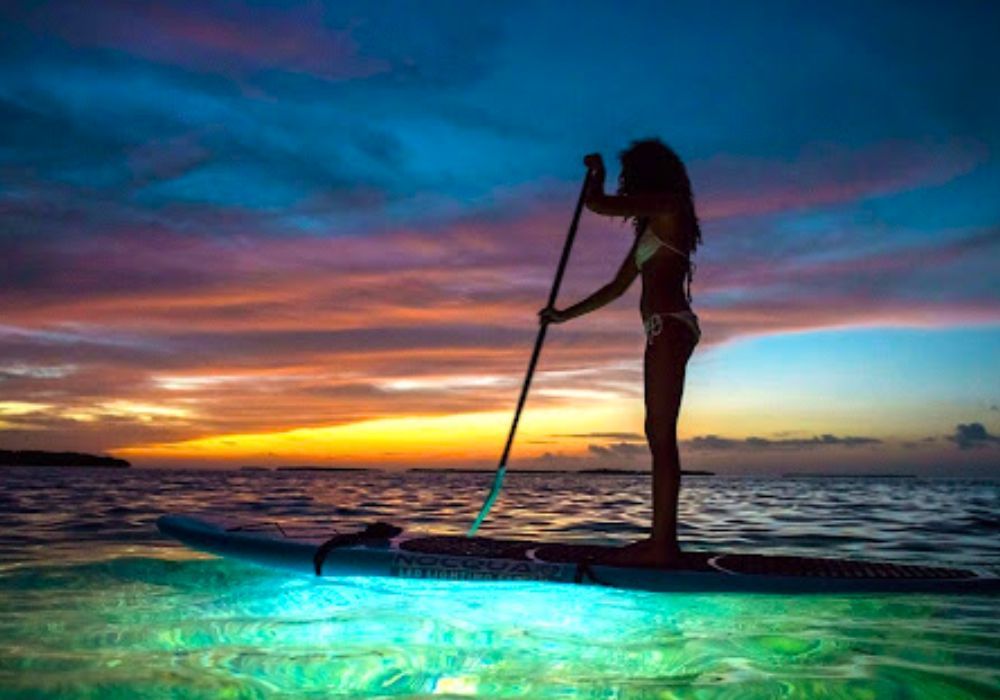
(969, 436)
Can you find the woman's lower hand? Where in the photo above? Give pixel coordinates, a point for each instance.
(552, 315)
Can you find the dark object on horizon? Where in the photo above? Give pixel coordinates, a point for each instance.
(684, 472)
(301, 468)
(865, 475)
(611, 472)
(317, 468)
(38, 458)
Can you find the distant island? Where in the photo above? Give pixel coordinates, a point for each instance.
(685, 472)
(302, 468)
(38, 458)
(863, 475)
(606, 472)
(310, 468)
(462, 470)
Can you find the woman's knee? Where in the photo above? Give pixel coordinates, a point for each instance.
(661, 432)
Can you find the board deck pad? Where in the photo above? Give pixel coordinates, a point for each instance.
(453, 557)
(746, 564)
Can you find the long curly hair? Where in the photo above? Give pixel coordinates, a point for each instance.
(650, 166)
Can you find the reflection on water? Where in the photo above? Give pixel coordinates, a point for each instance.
(93, 603)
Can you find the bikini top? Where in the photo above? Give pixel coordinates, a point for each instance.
(648, 244)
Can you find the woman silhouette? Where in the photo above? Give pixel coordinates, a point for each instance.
(655, 193)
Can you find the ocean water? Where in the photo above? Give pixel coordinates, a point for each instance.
(94, 603)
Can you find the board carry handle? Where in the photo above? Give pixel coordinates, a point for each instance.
(498, 477)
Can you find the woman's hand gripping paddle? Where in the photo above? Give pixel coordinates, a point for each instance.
(502, 469)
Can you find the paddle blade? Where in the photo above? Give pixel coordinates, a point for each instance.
(494, 492)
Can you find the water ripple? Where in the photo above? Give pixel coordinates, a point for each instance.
(126, 613)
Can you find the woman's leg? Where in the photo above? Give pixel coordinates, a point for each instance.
(665, 363)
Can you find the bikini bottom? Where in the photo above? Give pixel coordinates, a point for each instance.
(654, 323)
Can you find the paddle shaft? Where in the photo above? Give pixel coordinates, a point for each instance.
(539, 340)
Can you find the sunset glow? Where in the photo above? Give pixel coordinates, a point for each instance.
(466, 440)
(298, 235)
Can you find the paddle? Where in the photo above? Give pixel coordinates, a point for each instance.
(502, 468)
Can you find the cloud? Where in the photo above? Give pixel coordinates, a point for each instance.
(340, 319)
(624, 450)
(803, 289)
(35, 371)
(212, 36)
(825, 175)
(627, 437)
(712, 442)
(715, 442)
(970, 436)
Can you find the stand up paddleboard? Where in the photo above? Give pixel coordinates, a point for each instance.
(384, 550)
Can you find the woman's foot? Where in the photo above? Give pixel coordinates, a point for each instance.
(645, 553)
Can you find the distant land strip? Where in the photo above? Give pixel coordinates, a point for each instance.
(461, 470)
(38, 458)
(612, 472)
(847, 475)
(302, 468)
(308, 468)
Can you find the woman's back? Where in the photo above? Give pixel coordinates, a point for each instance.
(664, 267)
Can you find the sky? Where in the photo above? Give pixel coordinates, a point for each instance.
(263, 233)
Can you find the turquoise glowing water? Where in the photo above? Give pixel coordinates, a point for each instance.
(93, 603)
